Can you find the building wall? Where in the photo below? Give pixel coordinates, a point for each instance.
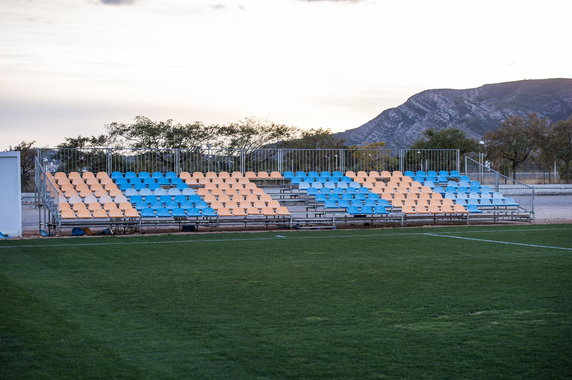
(10, 197)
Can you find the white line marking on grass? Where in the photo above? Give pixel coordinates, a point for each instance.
(358, 236)
(499, 241)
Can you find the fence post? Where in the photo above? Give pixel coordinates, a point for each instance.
(342, 162)
(177, 161)
(242, 161)
(281, 160)
(496, 181)
(458, 154)
(109, 160)
(401, 160)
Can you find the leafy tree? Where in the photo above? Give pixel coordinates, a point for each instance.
(316, 138)
(372, 157)
(558, 145)
(452, 138)
(515, 140)
(27, 164)
(251, 134)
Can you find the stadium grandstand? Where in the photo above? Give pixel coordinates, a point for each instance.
(134, 190)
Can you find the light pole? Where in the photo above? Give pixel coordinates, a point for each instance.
(481, 159)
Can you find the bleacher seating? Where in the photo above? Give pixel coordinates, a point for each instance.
(158, 195)
(89, 196)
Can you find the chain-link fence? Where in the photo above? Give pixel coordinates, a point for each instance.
(217, 160)
(522, 193)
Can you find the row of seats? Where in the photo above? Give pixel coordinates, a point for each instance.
(443, 209)
(178, 212)
(333, 203)
(93, 199)
(487, 203)
(171, 205)
(433, 173)
(235, 174)
(160, 191)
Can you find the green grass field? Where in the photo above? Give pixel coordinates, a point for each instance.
(407, 303)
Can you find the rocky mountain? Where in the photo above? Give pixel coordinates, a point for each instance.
(475, 111)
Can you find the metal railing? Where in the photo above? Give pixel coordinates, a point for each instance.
(217, 160)
(48, 197)
(522, 193)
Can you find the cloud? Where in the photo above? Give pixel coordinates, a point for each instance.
(217, 6)
(333, 1)
(117, 2)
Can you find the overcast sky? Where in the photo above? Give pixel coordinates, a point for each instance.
(68, 67)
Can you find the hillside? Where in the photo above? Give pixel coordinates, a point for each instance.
(475, 111)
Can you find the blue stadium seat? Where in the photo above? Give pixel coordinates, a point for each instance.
(409, 173)
(176, 181)
(134, 180)
(454, 174)
(135, 198)
(159, 191)
(164, 198)
(288, 175)
(321, 197)
(178, 212)
(194, 212)
(510, 202)
(201, 205)
(163, 213)
(182, 186)
(187, 205)
(143, 175)
(147, 213)
(130, 192)
(354, 210)
(187, 191)
(325, 174)
(141, 205)
(171, 175)
(313, 174)
(312, 191)
(157, 175)
(301, 174)
(344, 203)
(474, 209)
(443, 173)
(380, 210)
(139, 186)
(124, 186)
(330, 203)
(431, 173)
(367, 210)
(172, 205)
(156, 205)
(163, 182)
(121, 181)
(148, 181)
(116, 175)
(130, 174)
(304, 185)
(208, 211)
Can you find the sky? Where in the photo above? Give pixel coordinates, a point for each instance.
(69, 67)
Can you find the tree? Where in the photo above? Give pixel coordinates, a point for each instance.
(372, 157)
(251, 134)
(27, 164)
(316, 138)
(558, 145)
(515, 140)
(451, 138)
